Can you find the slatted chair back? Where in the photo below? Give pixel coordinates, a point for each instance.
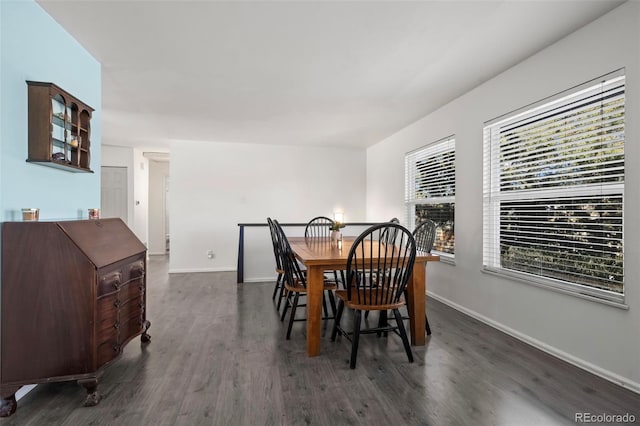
(425, 235)
(318, 227)
(292, 273)
(274, 240)
(393, 220)
(379, 264)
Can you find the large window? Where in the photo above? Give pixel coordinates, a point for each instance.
(430, 190)
(554, 191)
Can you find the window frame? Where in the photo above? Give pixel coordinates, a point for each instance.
(493, 195)
(411, 201)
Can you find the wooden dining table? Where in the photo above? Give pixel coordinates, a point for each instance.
(318, 254)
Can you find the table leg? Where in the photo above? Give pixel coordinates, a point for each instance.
(315, 285)
(416, 304)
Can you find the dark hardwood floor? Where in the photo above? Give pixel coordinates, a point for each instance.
(218, 356)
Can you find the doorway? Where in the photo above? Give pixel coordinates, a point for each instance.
(158, 203)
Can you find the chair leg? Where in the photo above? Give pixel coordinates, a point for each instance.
(277, 287)
(336, 322)
(293, 314)
(324, 305)
(357, 316)
(283, 293)
(332, 302)
(286, 304)
(382, 321)
(403, 334)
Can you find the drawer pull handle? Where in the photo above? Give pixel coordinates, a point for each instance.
(114, 279)
(116, 325)
(116, 347)
(116, 304)
(137, 269)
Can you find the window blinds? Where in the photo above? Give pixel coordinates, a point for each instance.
(431, 173)
(553, 189)
(430, 190)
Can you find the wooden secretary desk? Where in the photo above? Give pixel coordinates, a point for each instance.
(73, 294)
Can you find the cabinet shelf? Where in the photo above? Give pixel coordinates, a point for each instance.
(62, 165)
(57, 120)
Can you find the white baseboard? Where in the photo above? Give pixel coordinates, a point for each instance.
(571, 359)
(191, 270)
(260, 280)
(159, 253)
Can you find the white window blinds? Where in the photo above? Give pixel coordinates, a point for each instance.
(430, 189)
(553, 190)
(431, 172)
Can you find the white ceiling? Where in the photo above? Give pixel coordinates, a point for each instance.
(299, 72)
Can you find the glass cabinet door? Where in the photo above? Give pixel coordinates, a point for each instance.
(58, 128)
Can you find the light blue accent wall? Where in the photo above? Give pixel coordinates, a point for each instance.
(35, 47)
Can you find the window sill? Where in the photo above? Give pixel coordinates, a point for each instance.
(555, 287)
(449, 259)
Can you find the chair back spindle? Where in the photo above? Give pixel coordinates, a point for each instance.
(425, 235)
(318, 227)
(292, 271)
(274, 241)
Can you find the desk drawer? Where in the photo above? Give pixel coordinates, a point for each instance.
(112, 278)
(107, 351)
(130, 328)
(130, 308)
(132, 289)
(136, 269)
(110, 282)
(108, 311)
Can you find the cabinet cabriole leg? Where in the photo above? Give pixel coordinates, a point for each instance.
(145, 337)
(93, 396)
(8, 406)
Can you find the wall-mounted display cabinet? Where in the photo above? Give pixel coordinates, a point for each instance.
(59, 128)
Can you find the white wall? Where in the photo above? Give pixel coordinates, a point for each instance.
(601, 338)
(158, 172)
(137, 184)
(215, 186)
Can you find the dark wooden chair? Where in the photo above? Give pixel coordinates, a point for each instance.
(394, 220)
(278, 289)
(379, 265)
(320, 226)
(295, 282)
(425, 235)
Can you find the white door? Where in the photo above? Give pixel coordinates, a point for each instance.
(113, 193)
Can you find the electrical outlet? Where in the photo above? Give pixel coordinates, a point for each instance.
(211, 254)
